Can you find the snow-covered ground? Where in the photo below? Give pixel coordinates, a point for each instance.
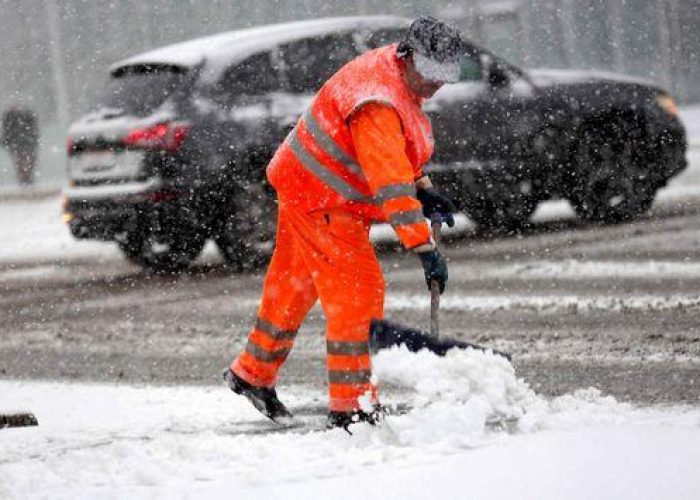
(182, 442)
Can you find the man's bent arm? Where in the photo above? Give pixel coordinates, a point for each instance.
(381, 150)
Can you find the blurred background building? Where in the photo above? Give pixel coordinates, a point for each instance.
(54, 53)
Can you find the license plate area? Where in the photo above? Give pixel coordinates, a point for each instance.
(106, 165)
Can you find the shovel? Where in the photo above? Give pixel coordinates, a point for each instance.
(435, 223)
(385, 334)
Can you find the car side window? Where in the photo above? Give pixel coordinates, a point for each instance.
(383, 37)
(253, 76)
(310, 62)
(471, 69)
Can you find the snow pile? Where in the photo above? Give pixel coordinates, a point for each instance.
(455, 399)
(471, 415)
(461, 400)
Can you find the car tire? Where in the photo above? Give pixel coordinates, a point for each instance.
(162, 253)
(609, 187)
(246, 236)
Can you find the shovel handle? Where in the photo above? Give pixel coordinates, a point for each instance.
(435, 224)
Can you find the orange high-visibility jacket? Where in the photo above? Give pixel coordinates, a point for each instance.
(318, 166)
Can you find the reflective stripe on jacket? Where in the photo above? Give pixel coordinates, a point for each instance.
(317, 166)
(379, 142)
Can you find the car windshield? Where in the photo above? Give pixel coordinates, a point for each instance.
(140, 91)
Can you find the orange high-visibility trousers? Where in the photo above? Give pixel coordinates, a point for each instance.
(324, 254)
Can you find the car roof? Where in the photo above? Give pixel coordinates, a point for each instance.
(222, 49)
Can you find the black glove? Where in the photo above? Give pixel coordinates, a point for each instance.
(435, 268)
(436, 203)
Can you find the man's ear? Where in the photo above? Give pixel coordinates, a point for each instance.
(403, 50)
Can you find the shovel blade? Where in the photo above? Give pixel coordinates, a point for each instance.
(385, 334)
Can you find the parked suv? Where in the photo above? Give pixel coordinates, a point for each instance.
(175, 150)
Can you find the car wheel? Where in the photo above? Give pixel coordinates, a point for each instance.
(246, 236)
(509, 212)
(609, 187)
(161, 253)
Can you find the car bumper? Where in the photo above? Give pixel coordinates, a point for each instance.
(107, 212)
(123, 191)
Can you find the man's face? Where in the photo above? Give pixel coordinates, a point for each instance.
(418, 84)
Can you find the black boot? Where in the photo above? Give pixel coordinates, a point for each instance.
(263, 398)
(345, 419)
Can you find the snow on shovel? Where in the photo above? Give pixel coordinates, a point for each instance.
(385, 334)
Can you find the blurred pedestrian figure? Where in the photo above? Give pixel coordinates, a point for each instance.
(20, 137)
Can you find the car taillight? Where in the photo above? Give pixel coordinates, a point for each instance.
(163, 136)
(70, 147)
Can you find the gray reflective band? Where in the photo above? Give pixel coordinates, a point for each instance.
(408, 217)
(332, 180)
(273, 331)
(349, 377)
(324, 141)
(347, 348)
(393, 191)
(264, 355)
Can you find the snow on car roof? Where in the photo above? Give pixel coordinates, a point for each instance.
(224, 48)
(544, 77)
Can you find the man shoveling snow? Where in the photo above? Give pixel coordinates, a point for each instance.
(354, 158)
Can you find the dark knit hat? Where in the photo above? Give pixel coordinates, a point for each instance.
(435, 47)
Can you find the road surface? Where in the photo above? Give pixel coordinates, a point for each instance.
(613, 307)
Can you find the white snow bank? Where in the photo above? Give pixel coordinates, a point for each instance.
(118, 441)
(690, 116)
(32, 229)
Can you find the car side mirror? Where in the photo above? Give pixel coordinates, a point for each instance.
(497, 77)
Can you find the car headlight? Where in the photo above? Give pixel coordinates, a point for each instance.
(667, 103)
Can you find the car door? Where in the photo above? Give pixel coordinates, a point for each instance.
(307, 64)
(246, 94)
(233, 116)
(483, 119)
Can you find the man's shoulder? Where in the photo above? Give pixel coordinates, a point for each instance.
(380, 55)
